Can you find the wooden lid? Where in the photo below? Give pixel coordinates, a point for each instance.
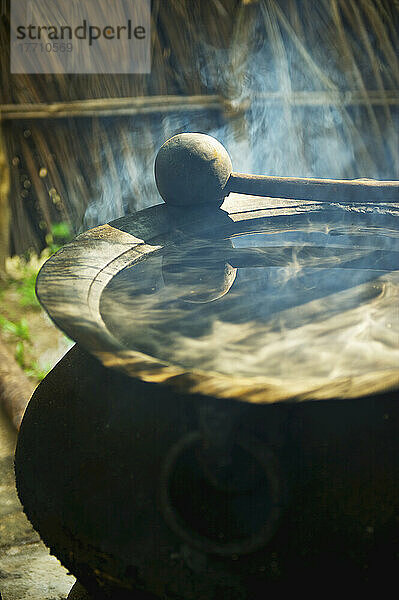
(264, 301)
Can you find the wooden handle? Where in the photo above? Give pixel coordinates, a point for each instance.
(319, 190)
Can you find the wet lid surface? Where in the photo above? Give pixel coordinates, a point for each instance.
(269, 304)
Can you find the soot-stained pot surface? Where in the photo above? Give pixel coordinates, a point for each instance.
(171, 451)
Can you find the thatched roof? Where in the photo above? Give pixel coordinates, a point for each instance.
(292, 87)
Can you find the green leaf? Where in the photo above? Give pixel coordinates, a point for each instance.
(8, 326)
(20, 354)
(23, 330)
(19, 329)
(34, 370)
(27, 291)
(61, 231)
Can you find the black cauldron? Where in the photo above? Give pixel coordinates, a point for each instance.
(227, 423)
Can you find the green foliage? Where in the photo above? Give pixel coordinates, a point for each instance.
(20, 354)
(18, 329)
(26, 290)
(34, 370)
(24, 270)
(59, 234)
(22, 274)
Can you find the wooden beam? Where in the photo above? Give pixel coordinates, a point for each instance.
(113, 107)
(338, 98)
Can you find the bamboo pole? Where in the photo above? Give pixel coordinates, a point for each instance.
(111, 107)
(115, 107)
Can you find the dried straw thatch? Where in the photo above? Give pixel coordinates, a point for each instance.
(277, 80)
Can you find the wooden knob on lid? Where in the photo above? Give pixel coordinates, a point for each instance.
(192, 168)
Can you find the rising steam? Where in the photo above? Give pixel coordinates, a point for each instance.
(295, 109)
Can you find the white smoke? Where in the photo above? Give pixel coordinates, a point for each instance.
(277, 125)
